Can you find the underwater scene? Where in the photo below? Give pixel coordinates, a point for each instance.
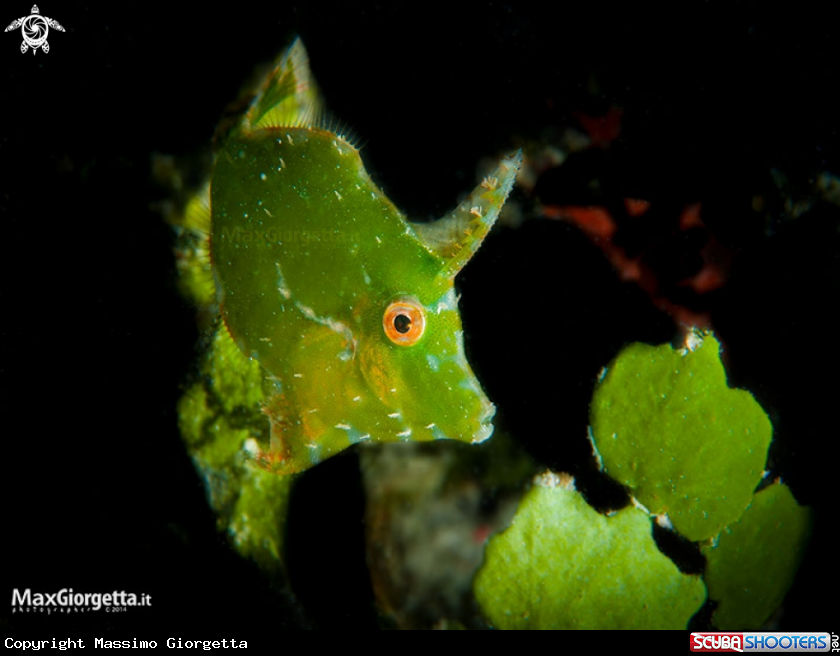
(364, 318)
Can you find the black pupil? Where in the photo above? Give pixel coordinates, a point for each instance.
(402, 323)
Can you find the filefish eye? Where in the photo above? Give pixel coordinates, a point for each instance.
(404, 321)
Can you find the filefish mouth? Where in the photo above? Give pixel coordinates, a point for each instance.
(477, 428)
(485, 424)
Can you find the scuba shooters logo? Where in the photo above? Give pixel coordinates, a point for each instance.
(68, 601)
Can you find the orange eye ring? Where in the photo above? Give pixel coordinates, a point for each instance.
(404, 321)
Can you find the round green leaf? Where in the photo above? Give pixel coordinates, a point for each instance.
(754, 561)
(666, 424)
(562, 565)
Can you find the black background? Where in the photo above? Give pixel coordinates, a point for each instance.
(98, 491)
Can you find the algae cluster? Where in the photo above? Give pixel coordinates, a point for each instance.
(691, 451)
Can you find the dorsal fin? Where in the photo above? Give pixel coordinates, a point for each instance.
(457, 236)
(289, 96)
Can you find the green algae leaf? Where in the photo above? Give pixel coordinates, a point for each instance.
(218, 417)
(251, 503)
(562, 565)
(666, 424)
(754, 561)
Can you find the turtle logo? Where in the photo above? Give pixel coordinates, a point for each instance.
(35, 29)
